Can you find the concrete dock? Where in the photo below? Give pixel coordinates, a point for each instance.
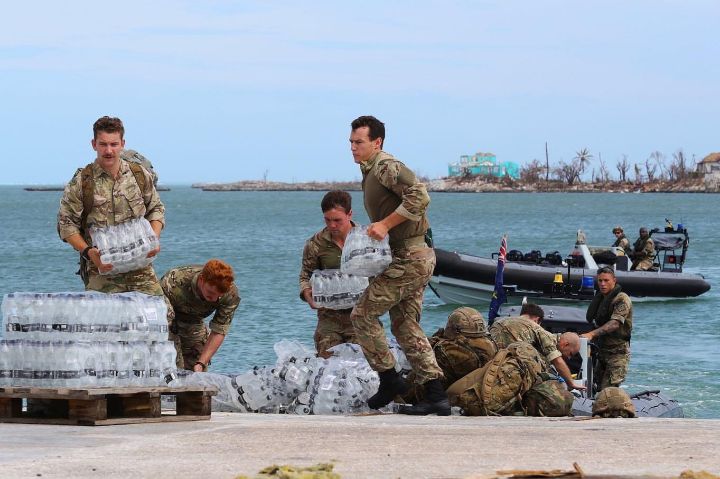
(377, 446)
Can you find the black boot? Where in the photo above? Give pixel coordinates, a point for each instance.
(391, 384)
(435, 402)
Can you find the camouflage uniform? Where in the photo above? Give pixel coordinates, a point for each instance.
(190, 308)
(334, 326)
(114, 202)
(521, 328)
(644, 254)
(389, 186)
(624, 243)
(614, 348)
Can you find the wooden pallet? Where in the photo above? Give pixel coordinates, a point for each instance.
(103, 406)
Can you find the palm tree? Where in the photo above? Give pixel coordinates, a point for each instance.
(583, 158)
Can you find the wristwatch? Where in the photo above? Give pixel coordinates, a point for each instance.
(204, 366)
(84, 253)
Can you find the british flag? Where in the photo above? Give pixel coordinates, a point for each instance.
(498, 296)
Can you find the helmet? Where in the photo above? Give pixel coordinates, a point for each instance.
(613, 402)
(466, 321)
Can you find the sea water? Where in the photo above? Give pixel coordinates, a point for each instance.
(261, 234)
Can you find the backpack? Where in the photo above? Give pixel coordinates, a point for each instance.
(133, 156)
(460, 356)
(497, 387)
(515, 255)
(548, 399)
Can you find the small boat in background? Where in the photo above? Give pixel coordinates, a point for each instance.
(461, 278)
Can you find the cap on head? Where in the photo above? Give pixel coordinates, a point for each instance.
(466, 321)
(613, 402)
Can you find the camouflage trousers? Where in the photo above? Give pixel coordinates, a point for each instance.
(192, 335)
(334, 327)
(399, 291)
(611, 367)
(142, 280)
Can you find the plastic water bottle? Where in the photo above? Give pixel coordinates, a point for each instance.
(6, 366)
(363, 255)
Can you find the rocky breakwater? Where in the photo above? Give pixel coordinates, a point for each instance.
(279, 186)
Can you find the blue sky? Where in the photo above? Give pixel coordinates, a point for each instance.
(219, 91)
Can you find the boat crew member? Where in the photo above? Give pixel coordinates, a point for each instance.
(610, 312)
(643, 251)
(396, 203)
(323, 251)
(621, 240)
(195, 292)
(526, 327)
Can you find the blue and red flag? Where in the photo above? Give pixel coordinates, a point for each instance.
(498, 296)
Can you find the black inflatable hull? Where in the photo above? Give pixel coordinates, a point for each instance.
(647, 404)
(466, 272)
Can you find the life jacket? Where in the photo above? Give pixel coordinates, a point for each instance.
(497, 387)
(458, 357)
(549, 398)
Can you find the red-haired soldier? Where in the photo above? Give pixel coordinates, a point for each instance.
(195, 292)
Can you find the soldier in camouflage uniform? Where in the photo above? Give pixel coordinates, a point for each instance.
(396, 203)
(610, 312)
(526, 327)
(643, 251)
(323, 251)
(463, 345)
(117, 197)
(621, 240)
(195, 292)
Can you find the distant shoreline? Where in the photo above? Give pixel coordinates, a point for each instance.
(450, 185)
(476, 185)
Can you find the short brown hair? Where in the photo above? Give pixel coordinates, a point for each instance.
(218, 274)
(336, 199)
(532, 309)
(108, 124)
(376, 128)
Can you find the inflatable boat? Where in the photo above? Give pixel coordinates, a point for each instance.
(461, 278)
(559, 319)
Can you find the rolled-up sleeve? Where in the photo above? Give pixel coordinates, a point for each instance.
(71, 208)
(221, 321)
(309, 264)
(397, 177)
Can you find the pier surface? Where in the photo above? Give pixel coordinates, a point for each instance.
(376, 446)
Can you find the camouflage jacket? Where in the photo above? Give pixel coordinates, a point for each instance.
(624, 243)
(644, 249)
(521, 328)
(114, 201)
(181, 289)
(320, 252)
(390, 186)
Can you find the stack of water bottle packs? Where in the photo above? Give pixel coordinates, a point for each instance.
(361, 258)
(300, 382)
(125, 245)
(85, 339)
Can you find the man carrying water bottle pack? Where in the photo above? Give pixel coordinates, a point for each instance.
(323, 251)
(396, 203)
(108, 192)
